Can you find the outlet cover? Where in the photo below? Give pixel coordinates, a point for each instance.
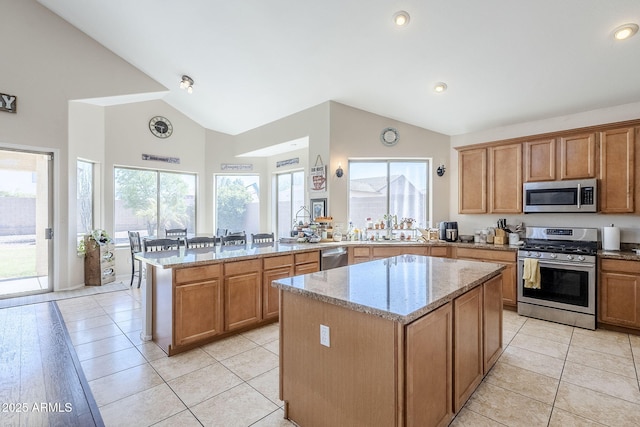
(325, 338)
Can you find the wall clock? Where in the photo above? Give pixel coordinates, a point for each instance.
(160, 127)
(389, 136)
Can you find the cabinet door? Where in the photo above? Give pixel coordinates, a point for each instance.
(198, 311)
(505, 179)
(439, 251)
(468, 366)
(472, 181)
(492, 321)
(242, 300)
(540, 160)
(617, 167)
(509, 285)
(620, 299)
(578, 156)
(428, 369)
(270, 304)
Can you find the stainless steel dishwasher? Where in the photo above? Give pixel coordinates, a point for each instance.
(333, 258)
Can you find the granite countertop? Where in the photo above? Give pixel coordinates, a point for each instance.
(203, 256)
(627, 255)
(401, 288)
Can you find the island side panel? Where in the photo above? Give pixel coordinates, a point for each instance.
(353, 382)
(162, 317)
(492, 321)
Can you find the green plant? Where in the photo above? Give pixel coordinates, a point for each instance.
(99, 236)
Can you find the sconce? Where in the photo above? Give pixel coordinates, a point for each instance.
(440, 170)
(339, 171)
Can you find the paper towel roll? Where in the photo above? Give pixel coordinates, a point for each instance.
(611, 238)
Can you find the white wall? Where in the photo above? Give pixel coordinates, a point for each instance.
(629, 224)
(46, 63)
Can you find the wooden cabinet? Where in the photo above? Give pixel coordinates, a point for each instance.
(429, 372)
(468, 366)
(540, 160)
(367, 253)
(617, 170)
(197, 304)
(491, 322)
(307, 262)
(509, 274)
(273, 268)
(619, 293)
(578, 156)
(99, 262)
(242, 293)
(472, 181)
(359, 254)
(505, 178)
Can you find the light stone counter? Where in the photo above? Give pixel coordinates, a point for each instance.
(401, 288)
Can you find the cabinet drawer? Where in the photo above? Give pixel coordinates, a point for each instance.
(242, 267)
(486, 255)
(360, 251)
(622, 266)
(193, 274)
(384, 252)
(440, 251)
(307, 257)
(277, 261)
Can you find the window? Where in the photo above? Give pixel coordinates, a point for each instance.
(85, 197)
(237, 200)
(151, 201)
(394, 187)
(289, 199)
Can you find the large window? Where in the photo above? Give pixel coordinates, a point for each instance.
(388, 187)
(150, 202)
(289, 199)
(237, 201)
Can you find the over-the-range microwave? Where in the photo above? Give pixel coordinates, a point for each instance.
(579, 195)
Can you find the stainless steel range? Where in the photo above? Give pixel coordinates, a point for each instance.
(559, 281)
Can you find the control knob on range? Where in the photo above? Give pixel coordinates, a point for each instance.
(580, 258)
(553, 256)
(569, 257)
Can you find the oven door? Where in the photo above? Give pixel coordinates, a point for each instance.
(563, 285)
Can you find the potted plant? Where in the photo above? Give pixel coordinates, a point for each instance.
(97, 236)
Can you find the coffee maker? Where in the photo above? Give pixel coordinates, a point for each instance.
(448, 231)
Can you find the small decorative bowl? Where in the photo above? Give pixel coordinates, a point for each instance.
(465, 238)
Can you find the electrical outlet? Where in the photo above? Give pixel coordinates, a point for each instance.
(325, 337)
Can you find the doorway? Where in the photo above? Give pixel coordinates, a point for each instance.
(26, 208)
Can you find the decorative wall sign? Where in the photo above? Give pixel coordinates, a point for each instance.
(318, 176)
(8, 103)
(287, 162)
(153, 157)
(236, 167)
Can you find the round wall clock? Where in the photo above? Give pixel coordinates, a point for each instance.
(160, 127)
(389, 136)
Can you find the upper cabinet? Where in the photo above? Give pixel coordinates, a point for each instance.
(617, 170)
(505, 178)
(578, 156)
(472, 185)
(490, 175)
(540, 160)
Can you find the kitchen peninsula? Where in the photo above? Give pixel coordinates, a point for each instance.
(400, 341)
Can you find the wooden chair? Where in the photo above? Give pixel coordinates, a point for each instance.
(136, 246)
(234, 239)
(262, 239)
(221, 232)
(155, 245)
(201, 242)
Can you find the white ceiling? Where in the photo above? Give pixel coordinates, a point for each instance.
(256, 61)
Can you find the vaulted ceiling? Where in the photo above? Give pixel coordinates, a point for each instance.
(255, 61)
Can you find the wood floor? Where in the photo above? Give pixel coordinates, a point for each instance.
(41, 382)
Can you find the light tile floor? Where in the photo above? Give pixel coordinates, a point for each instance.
(548, 374)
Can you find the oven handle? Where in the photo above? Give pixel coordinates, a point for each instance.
(563, 264)
(579, 195)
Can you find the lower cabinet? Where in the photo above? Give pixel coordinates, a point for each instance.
(307, 262)
(198, 313)
(509, 275)
(359, 254)
(274, 268)
(619, 293)
(491, 322)
(242, 294)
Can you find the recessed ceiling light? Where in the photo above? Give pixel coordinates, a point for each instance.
(401, 18)
(440, 87)
(625, 31)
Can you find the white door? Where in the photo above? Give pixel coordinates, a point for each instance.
(26, 208)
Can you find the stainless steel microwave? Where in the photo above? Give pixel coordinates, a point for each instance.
(579, 195)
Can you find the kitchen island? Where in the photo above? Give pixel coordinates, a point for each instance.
(401, 341)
